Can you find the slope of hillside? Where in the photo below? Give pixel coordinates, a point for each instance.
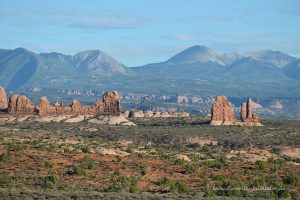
(277, 58)
(251, 69)
(23, 68)
(292, 70)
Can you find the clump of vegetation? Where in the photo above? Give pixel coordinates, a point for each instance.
(120, 183)
(189, 168)
(260, 165)
(5, 179)
(88, 163)
(292, 179)
(50, 180)
(17, 147)
(77, 170)
(175, 186)
(5, 156)
(220, 163)
(48, 164)
(85, 149)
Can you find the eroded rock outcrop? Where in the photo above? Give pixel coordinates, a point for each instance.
(247, 115)
(19, 104)
(3, 99)
(111, 102)
(222, 112)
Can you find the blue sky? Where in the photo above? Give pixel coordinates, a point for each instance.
(137, 32)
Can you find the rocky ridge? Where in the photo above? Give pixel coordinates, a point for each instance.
(20, 108)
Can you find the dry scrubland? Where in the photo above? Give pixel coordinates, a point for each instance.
(158, 159)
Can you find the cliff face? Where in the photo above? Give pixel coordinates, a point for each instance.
(21, 105)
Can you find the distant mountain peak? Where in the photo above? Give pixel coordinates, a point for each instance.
(278, 58)
(196, 54)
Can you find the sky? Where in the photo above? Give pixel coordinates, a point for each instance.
(138, 32)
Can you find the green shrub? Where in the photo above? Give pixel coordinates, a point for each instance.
(48, 164)
(76, 170)
(17, 147)
(133, 186)
(5, 156)
(218, 177)
(85, 149)
(189, 168)
(120, 183)
(5, 179)
(167, 182)
(260, 165)
(50, 180)
(179, 161)
(291, 179)
(178, 186)
(183, 187)
(88, 163)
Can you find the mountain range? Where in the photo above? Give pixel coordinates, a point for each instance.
(197, 69)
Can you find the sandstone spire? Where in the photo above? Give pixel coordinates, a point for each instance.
(222, 112)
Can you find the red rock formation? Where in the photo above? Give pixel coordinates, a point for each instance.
(45, 107)
(247, 115)
(19, 104)
(243, 111)
(3, 99)
(111, 102)
(222, 112)
(22, 105)
(249, 109)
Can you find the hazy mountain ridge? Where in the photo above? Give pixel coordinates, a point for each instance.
(196, 70)
(20, 66)
(201, 61)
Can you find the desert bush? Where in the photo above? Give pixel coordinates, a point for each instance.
(48, 164)
(218, 177)
(17, 147)
(291, 179)
(5, 179)
(260, 165)
(175, 186)
(85, 149)
(76, 170)
(120, 183)
(5, 156)
(88, 163)
(50, 180)
(189, 168)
